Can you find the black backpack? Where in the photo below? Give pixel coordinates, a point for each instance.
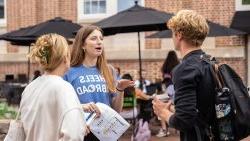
(233, 100)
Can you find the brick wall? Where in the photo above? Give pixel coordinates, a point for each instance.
(23, 13)
(153, 67)
(47, 9)
(152, 43)
(20, 15)
(16, 68)
(232, 41)
(220, 12)
(68, 9)
(217, 11)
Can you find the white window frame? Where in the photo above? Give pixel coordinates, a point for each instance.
(3, 20)
(111, 9)
(241, 7)
(98, 6)
(142, 3)
(111, 6)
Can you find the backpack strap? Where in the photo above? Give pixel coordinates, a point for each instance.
(219, 75)
(214, 71)
(208, 129)
(219, 83)
(214, 65)
(208, 132)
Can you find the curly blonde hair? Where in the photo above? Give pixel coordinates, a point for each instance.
(192, 26)
(49, 51)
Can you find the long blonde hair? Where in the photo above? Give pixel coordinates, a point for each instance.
(78, 55)
(49, 51)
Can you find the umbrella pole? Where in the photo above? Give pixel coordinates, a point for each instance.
(140, 63)
(247, 48)
(28, 66)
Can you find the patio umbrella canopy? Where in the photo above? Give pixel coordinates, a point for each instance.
(214, 31)
(241, 21)
(57, 25)
(15, 37)
(135, 19)
(26, 36)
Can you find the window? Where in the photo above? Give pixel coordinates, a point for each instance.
(244, 2)
(90, 11)
(125, 4)
(94, 6)
(242, 5)
(2, 13)
(2, 9)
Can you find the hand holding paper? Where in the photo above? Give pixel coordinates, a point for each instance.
(109, 126)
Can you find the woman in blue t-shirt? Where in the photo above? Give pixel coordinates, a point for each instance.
(92, 78)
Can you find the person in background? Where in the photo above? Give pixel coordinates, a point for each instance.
(131, 94)
(145, 82)
(146, 110)
(170, 62)
(36, 74)
(50, 109)
(194, 114)
(118, 73)
(91, 76)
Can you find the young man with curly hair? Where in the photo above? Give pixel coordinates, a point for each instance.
(193, 82)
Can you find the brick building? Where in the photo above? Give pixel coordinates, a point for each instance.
(121, 49)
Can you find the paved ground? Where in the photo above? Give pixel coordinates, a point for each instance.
(154, 127)
(172, 137)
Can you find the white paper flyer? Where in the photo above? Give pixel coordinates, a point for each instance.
(109, 126)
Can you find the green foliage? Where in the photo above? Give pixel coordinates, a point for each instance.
(7, 112)
(245, 1)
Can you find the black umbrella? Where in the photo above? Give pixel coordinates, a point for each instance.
(26, 36)
(214, 31)
(241, 21)
(16, 37)
(135, 19)
(57, 25)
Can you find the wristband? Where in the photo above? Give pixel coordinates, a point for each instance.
(119, 90)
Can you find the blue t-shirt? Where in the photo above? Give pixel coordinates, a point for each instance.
(89, 84)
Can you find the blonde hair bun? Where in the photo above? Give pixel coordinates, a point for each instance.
(49, 50)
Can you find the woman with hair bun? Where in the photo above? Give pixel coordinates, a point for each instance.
(50, 109)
